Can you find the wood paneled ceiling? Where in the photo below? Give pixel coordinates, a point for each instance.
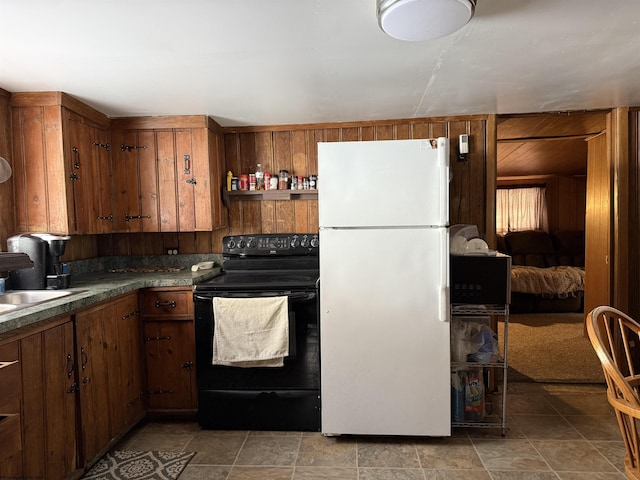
(546, 144)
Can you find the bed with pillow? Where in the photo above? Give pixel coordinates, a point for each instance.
(547, 272)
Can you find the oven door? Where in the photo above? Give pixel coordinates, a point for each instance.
(281, 398)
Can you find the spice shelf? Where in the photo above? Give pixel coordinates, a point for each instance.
(263, 195)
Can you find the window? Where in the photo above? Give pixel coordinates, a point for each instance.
(521, 208)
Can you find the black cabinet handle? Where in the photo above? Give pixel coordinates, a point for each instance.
(171, 304)
(130, 314)
(70, 365)
(84, 357)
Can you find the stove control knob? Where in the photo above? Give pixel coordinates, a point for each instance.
(242, 244)
(252, 243)
(305, 242)
(315, 242)
(295, 242)
(231, 243)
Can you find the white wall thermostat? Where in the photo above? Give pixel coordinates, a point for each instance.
(464, 144)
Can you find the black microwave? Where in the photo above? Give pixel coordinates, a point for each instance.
(480, 279)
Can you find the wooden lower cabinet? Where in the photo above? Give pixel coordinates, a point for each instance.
(69, 390)
(108, 351)
(49, 403)
(127, 390)
(10, 399)
(167, 318)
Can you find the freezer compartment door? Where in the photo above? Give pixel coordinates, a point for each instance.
(383, 183)
(384, 345)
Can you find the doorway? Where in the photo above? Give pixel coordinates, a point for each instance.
(552, 150)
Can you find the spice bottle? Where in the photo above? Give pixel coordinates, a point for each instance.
(244, 181)
(259, 177)
(283, 182)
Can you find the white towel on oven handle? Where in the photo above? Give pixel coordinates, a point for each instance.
(250, 332)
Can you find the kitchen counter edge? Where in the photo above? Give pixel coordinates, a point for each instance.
(93, 288)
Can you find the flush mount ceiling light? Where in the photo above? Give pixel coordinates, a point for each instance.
(417, 20)
(5, 170)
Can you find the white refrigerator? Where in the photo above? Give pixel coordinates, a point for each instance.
(383, 210)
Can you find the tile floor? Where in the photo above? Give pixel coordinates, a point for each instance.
(554, 431)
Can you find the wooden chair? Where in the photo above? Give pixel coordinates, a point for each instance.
(616, 339)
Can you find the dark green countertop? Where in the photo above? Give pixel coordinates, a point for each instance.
(91, 288)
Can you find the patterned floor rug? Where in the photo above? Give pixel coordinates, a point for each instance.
(130, 465)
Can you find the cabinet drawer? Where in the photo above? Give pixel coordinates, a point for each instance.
(10, 383)
(10, 438)
(166, 303)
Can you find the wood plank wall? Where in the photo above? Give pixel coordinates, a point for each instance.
(566, 199)
(294, 148)
(634, 213)
(6, 192)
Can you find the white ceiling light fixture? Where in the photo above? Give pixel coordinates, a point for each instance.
(5, 170)
(418, 20)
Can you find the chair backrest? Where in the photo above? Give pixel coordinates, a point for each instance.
(616, 340)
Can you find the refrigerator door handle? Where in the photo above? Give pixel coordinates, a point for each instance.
(443, 306)
(445, 179)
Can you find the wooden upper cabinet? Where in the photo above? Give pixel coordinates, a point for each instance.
(134, 181)
(90, 175)
(78, 172)
(167, 174)
(61, 165)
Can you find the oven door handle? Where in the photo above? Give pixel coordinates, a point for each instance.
(302, 296)
(295, 296)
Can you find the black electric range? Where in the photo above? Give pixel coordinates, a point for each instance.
(283, 398)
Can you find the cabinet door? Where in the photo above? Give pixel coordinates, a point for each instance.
(186, 180)
(90, 177)
(91, 351)
(170, 350)
(134, 180)
(149, 193)
(124, 180)
(125, 365)
(100, 148)
(83, 173)
(49, 403)
(42, 197)
(11, 388)
(195, 195)
(167, 181)
(60, 399)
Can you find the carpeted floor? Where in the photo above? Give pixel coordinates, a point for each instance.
(132, 465)
(550, 348)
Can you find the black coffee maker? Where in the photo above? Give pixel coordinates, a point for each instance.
(45, 251)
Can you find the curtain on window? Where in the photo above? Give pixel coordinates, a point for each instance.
(522, 208)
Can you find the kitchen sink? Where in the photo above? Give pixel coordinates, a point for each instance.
(28, 297)
(5, 307)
